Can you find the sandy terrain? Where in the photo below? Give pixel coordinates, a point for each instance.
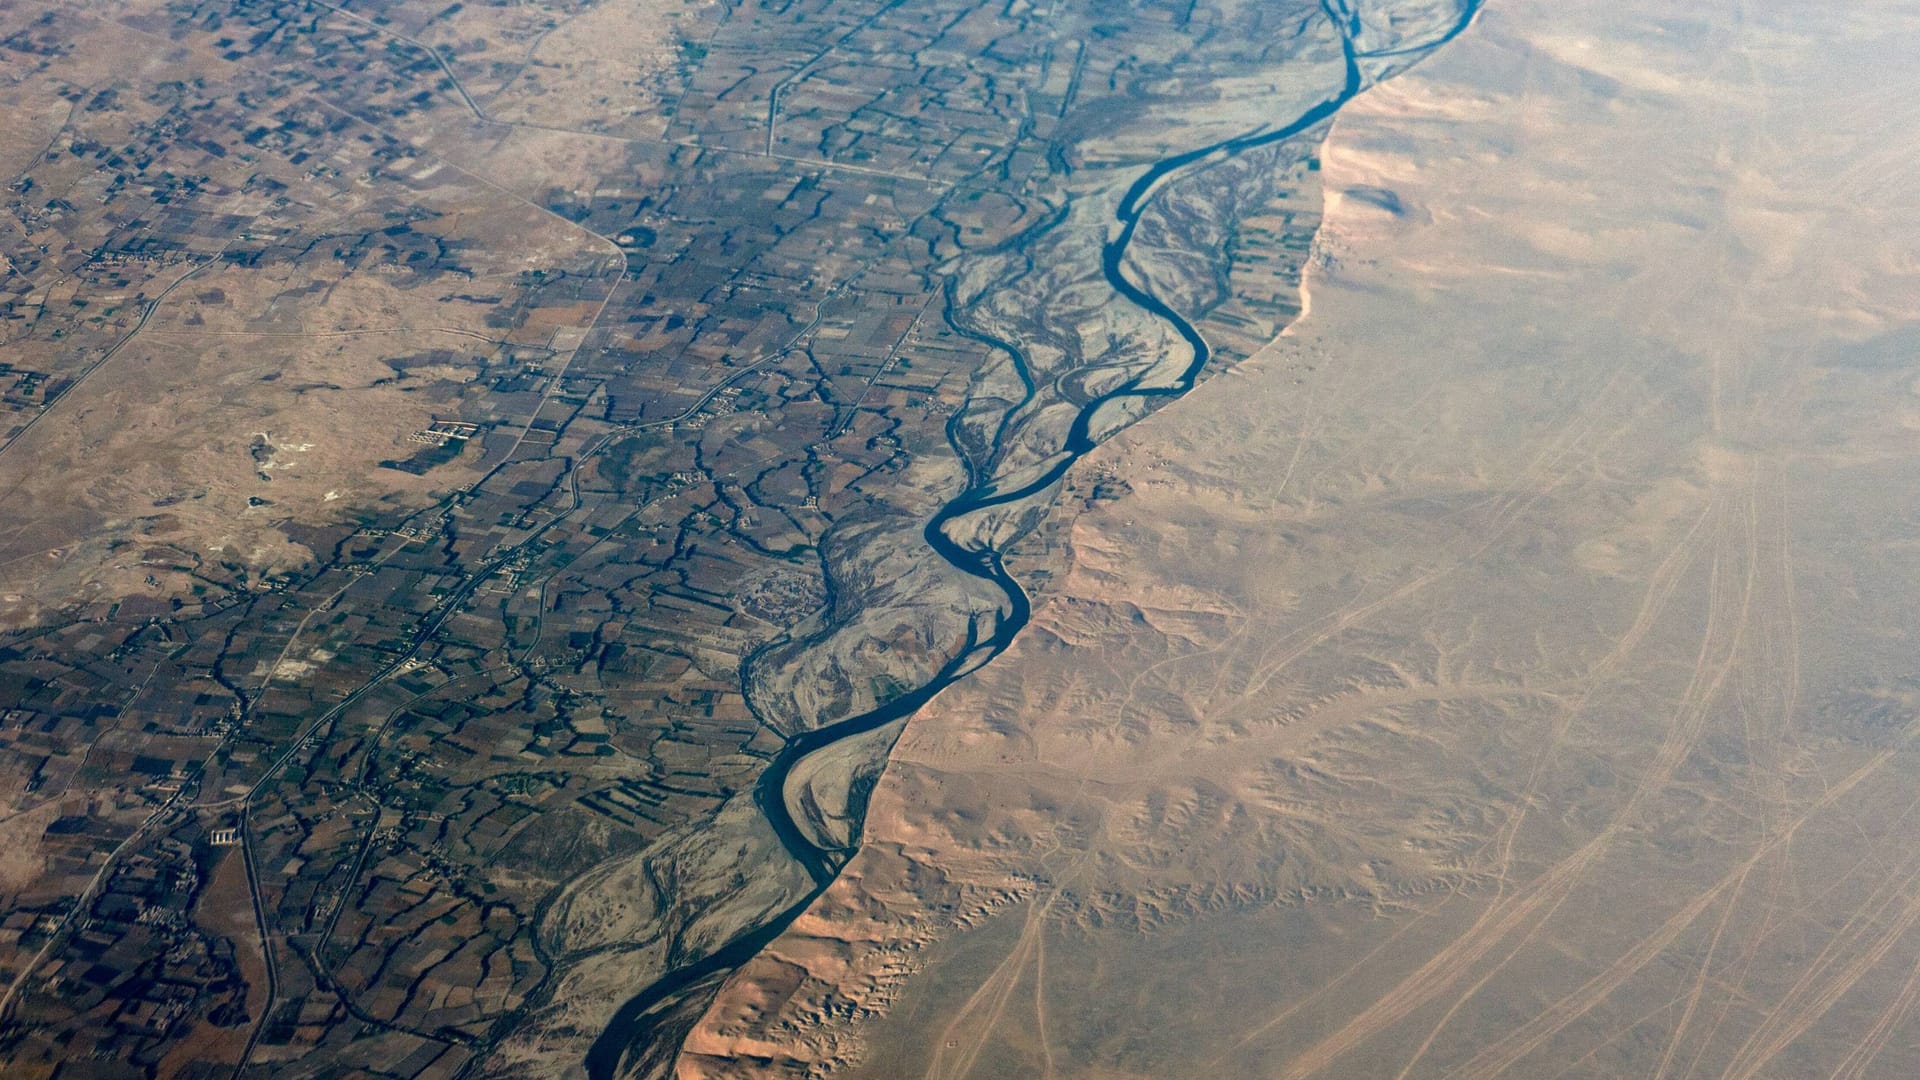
(1507, 673)
(214, 399)
(248, 400)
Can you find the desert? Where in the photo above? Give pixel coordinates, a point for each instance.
(1504, 672)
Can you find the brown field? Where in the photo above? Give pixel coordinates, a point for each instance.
(225, 912)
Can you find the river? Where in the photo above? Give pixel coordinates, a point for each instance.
(631, 1024)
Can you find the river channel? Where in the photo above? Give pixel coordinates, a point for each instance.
(634, 1023)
